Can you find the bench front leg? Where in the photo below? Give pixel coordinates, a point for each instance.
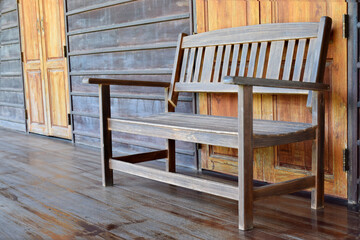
(318, 116)
(245, 157)
(105, 135)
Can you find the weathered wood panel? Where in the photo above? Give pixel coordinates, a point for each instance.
(133, 40)
(12, 106)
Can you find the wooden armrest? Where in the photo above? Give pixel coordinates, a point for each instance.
(276, 83)
(106, 81)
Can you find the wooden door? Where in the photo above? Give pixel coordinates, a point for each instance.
(289, 161)
(47, 91)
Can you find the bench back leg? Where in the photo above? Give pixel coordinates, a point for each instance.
(318, 111)
(245, 157)
(105, 135)
(170, 163)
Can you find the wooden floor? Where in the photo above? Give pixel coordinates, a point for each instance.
(50, 189)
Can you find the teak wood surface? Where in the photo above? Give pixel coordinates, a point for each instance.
(195, 60)
(284, 162)
(45, 69)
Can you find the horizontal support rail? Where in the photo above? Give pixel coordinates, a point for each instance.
(284, 187)
(198, 184)
(143, 157)
(106, 81)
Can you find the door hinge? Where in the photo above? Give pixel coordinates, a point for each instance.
(346, 166)
(26, 114)
(65, 51)
(22, 56)
(69, 118)
(345, 26)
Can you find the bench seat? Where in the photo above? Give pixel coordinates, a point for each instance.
(213, 130)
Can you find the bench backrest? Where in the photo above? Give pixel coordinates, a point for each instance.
(282, 51)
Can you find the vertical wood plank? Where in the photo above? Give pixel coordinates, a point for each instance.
(208, 64)
(105, 135)
(261, 60)
(225, 67)
(184, 65)
(309, 60)
(234, 61)
(190, 69)
(198, 64)
(252, 60)
(288, 60)
(243, 60)
(245, 157)
(275, 59)
(299, 60)
(219, 57)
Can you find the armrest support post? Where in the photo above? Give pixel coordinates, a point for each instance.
(245, 156)
(105, 134)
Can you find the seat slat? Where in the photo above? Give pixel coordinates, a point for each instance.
(234, 61)
(252, 60)
(183, 66)
(288, 60)
(243, 60)
(219, 57)
(299, 59)
(207, 130)
(225, 67)
(275, 59)
(261, 60)
(207, 68)
(198, 64)
(191, 64)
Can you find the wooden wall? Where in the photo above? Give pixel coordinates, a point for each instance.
(128, 40)
(12, 109)
(288, 161)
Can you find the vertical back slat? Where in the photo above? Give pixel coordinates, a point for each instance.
(244, 54)
(288, 60)
(198, 64)
(252, 60)
(261, 60)
(299, 60)
(309, 60)
(190, 69)
(234, 61)
(275, 59)
(184, 65)
(219, 56)
(225, 67)
(208, 64)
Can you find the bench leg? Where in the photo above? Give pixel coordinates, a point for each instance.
(245, 157)
(105, 135)
(318, 111)
(170, 163)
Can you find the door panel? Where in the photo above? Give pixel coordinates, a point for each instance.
(43, 38)
(54, 62)
(35, 97)
(53, 28)
(31, 30)
(288, 161)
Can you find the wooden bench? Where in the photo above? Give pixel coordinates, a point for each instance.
(244, 60)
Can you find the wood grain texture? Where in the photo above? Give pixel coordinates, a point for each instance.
(49, 182)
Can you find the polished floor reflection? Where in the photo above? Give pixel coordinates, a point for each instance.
(50, 189)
